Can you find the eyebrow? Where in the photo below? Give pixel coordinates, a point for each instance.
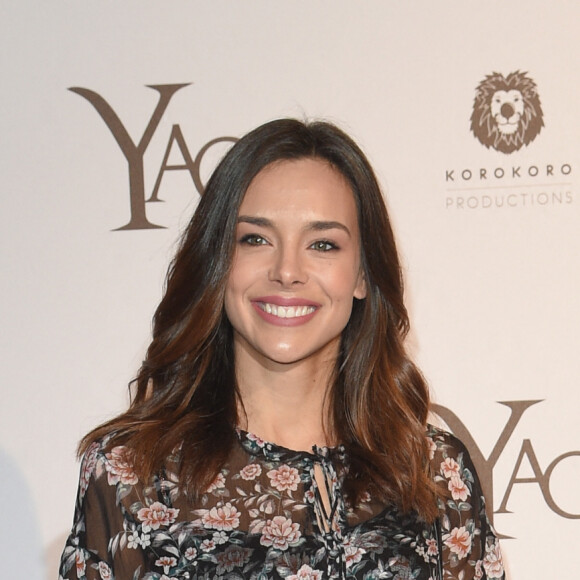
(317, 226)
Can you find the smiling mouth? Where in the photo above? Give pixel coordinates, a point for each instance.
(286, 311)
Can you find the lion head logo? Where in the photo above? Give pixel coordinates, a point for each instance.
(507, 113)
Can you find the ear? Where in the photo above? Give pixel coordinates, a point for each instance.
(360, 290)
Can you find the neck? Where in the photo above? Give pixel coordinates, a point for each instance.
(285, 403)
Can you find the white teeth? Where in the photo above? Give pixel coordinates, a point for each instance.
(287, 311)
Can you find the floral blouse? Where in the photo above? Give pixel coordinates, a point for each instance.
(263, 518)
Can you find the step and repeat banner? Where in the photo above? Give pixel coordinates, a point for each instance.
(113, 116)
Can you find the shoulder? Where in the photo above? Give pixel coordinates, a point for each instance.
(468, 542)
(106, 462)
(449, 457)
(443, 442)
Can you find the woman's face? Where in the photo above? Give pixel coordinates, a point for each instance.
(296, 266)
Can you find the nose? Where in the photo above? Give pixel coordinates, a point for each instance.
(288, 268)
(507, 110)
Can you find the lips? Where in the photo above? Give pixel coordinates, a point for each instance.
(287, 311)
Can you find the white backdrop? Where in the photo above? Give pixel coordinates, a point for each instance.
(492, 291)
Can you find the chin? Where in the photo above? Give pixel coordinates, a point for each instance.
(283, 357)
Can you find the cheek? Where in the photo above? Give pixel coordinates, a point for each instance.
(241, 280)
(232, 295)
(245, 270)
(238, 278)
(344, 283)
(234, 311)
(342, 296)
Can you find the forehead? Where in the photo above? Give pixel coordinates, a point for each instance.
(308, 184)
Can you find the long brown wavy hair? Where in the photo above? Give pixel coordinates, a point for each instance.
(185, 394)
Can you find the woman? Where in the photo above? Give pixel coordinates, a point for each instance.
(278, 428)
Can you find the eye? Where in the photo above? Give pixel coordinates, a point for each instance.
(253, 240)
(324, 246)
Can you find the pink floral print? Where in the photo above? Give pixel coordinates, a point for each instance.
(280, 533)
(220, 538)
(458, 489)
(232, 557)
(432, 547)
(80, 563)
(250, 472)
(450, 467)
(493, 562)
(104, 571)
(459, 541)
(224, 518)
(218, 483)
(166, 563)
(353, 554)
(306, 573)
(208, 545)
(258, 519)
(284, 478)
(260, 442)
(120, 467)
(478, 570)
(157, 514)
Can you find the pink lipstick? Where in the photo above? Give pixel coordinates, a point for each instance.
(285, 311)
